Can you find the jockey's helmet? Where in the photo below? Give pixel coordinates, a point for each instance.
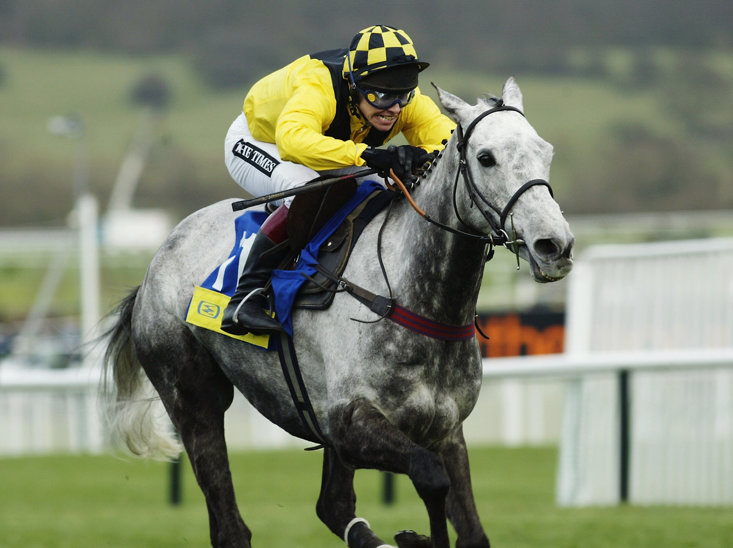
(383, 58)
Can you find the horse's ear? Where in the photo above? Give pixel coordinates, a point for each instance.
(511, 94)
(451, 103)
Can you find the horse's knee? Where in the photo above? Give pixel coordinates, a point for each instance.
(348, 420)
(364, 438)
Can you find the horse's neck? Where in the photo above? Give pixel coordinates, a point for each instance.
(439, 272)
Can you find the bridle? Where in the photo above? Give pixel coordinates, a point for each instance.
(498, 234)
(473, 191)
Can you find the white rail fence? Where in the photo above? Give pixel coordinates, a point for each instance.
(625, 445)
(48, 411)
(675, 300)
(641, 402)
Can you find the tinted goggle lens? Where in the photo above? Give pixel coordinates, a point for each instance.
(384, 100)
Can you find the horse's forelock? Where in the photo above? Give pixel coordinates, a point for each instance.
(489, 100)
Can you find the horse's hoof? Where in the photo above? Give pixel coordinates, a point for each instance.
(410, 539)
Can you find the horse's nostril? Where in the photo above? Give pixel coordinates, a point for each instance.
(568, 254)
(546, 247)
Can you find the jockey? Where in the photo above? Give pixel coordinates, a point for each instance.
(324, 113)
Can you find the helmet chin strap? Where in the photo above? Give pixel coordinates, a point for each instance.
(354, 93)
(354, 103)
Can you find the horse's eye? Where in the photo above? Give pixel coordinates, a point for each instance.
(487, 159)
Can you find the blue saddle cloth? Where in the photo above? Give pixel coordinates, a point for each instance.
(285, 283)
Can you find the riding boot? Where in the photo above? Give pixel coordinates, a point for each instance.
(246, 310)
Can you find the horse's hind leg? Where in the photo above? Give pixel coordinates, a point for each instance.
(364, 438)
(337, 504)
(196, 394)
(460, 502)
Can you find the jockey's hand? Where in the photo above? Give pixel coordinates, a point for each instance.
(405, 160)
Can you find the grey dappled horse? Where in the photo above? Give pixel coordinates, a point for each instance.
(385, 397)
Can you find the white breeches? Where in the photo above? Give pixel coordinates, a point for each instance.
(257, 167)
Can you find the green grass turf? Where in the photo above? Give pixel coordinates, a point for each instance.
(106, 501)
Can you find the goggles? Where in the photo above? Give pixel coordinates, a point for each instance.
(384, 100)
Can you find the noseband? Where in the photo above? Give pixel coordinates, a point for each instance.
(499, 236)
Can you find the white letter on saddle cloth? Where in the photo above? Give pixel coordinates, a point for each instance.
(245, 245)
(219, 282)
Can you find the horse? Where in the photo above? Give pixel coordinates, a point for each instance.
(385, 397)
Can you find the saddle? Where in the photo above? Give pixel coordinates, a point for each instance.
(335, 217)
(308, 214)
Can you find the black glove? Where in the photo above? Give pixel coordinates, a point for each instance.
(404, 159)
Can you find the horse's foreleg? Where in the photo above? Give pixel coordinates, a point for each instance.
(460, 502)
(337, 504)
(364, 438)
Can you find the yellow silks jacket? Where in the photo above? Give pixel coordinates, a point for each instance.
(303, 108)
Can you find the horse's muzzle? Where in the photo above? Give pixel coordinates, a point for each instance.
(551, 259)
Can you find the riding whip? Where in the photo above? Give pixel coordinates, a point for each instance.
(310, 186)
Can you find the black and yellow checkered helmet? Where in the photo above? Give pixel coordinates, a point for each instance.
(379, 47)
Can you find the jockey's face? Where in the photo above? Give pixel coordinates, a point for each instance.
(380, 119)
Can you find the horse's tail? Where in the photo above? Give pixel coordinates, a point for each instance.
(135, 413)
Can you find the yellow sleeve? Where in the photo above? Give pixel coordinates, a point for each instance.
(300, 129)
(424, 125)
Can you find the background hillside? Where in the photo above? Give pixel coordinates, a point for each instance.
(637, 97)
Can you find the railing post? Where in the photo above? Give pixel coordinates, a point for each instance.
(388, 489)
(174, 493)
(624, 445)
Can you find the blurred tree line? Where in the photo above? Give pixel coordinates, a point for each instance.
(232, 42)
(217, 35)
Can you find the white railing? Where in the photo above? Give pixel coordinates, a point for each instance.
(702, 476)
(668, 307)
(598, 363)
(49, 411)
